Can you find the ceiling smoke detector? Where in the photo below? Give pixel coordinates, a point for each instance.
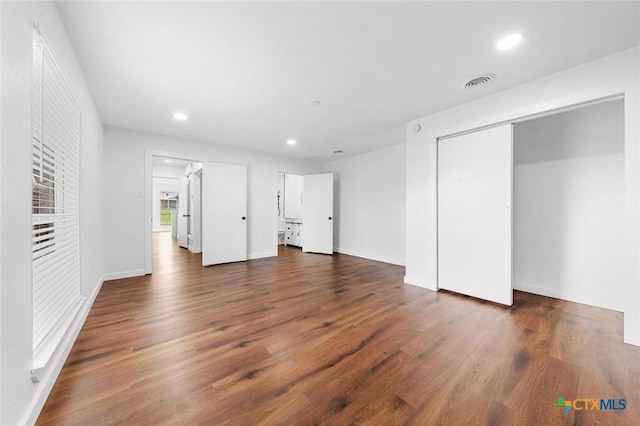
(479, 81)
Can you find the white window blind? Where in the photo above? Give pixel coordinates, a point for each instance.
(55, 207)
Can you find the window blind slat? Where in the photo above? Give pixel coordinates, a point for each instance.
(50, 296)
(50, 290)
(47, 255)
(42, 260)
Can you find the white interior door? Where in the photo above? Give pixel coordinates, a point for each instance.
(194, 234)
(474, 214)
(318, 213)
(224, 213)
(183, 211)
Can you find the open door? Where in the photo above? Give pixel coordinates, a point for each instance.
(183, 211)
(318, 213)
(474, 214)
(194, 236)
(224, 213)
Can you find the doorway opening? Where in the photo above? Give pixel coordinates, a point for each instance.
(280, 222)
(289, 201)
(304, 212)
(173, 198)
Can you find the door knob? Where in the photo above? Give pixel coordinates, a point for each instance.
(244, 218)
(330, 218)
(186, 215)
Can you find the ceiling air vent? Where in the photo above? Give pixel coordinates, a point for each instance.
(479, 81)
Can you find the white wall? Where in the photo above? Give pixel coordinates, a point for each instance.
(21, 399)
(125, 152)
(163, 171)
(614, 74)
(568, 205)
(369, 204)
(161, 185)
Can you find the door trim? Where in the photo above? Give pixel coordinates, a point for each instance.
(553, 111)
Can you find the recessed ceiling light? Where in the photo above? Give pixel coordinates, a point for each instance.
(315, 103)
(180, 116)
(167, 160)
(509, 41)
(291, 142)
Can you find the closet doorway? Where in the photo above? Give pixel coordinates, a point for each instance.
(563, 232)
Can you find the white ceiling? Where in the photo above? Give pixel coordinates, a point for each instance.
(245, 73)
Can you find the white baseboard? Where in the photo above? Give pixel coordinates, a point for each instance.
(419, 283)
(385, 259)
(124, 274)
(261, 255)
(58, 359)
(560, 294)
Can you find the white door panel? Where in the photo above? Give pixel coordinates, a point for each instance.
(183, 211)
(194, 234)
(224, 213)
(474, 214)
(318, 214)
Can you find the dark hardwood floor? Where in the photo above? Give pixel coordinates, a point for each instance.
(314, 339)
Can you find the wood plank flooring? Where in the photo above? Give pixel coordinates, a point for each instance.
(314, 339)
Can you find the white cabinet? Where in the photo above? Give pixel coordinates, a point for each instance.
(293, 187)
(293, 209)
(293, 234)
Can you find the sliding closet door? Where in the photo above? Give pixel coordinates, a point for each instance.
(224, 213)
(474, 214)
